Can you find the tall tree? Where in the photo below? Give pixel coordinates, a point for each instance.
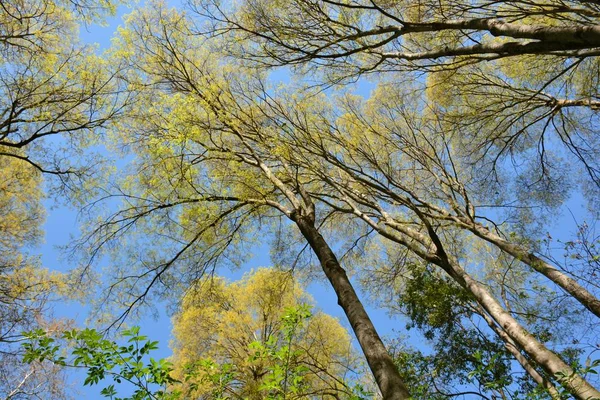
(399, 175)
(54, 95)
(202, 133)
(200, 139)
(359, 36)
(466, 355)
(510, 122)
(534, 111)
(535, 93)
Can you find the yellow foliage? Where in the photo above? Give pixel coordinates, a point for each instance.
(219, 320)
(24, 286)
(20, 211)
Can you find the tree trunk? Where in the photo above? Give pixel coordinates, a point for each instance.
(513, 349)
(547, 359)
(571, 286)
(386, 374)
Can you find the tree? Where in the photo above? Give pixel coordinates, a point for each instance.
(249, 339)
(520, 71)
(397, 173)
(538, 79)
(50, 86)
(205, 204)
(103, 358)
(492, 111)
(363, 36)
(258, 336)
(464, 351)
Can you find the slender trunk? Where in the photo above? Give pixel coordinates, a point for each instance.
(587, 299)
(381, 364)
(548, 360)
(513, 349)
(545, 358)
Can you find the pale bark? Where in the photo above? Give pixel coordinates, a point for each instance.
(584, 35)
(302, 213)
(587, 299)
(547, 359)
(548, 39)
(513, 349)
(327, 40)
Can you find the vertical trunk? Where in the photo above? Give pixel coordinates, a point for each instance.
(568, 284)
(513, 349)
(548, 360)
(381, 364)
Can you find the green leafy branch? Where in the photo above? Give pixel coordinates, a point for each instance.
(103, 358)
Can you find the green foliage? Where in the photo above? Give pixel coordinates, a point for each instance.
(282, 377)
(131, 363)
(220, 155)
(26, 289)
(491, 371)
(462, 353)
(433, 303)
(590, 368)
(417, 371)
(104, 359)
(54, 86)
(286, 375)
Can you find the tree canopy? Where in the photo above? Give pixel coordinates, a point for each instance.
(25, 287)
(253, 339)
(356, 170)
(56, 93)
(51, 85)
(248, 328)
(438, 189)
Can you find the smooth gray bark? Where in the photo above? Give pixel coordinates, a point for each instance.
(571, 286)
(513, 349)
(548, 360)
